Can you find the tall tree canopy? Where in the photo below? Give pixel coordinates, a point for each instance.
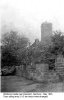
(58, 43)
(13, 47)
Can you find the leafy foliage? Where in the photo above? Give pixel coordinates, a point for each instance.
(13, 47)
(16, 52)
(58, 43)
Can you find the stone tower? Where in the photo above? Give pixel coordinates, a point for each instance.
(46, 31)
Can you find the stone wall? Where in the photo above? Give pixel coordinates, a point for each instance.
(38, 72)
(59, 66)
(34, 71)
(19, 70)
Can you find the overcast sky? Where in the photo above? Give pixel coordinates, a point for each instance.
(26, 16)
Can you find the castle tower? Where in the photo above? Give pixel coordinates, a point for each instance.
(46, 31)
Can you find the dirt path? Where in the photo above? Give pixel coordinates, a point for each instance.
(19, 84)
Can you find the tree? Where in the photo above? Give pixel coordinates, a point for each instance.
(13, 47)
(58, 43)
(56, 48)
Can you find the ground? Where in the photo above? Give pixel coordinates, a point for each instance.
(20, 84)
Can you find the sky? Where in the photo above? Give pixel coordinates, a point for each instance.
(26, 16)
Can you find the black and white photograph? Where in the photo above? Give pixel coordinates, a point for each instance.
(32, 46)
